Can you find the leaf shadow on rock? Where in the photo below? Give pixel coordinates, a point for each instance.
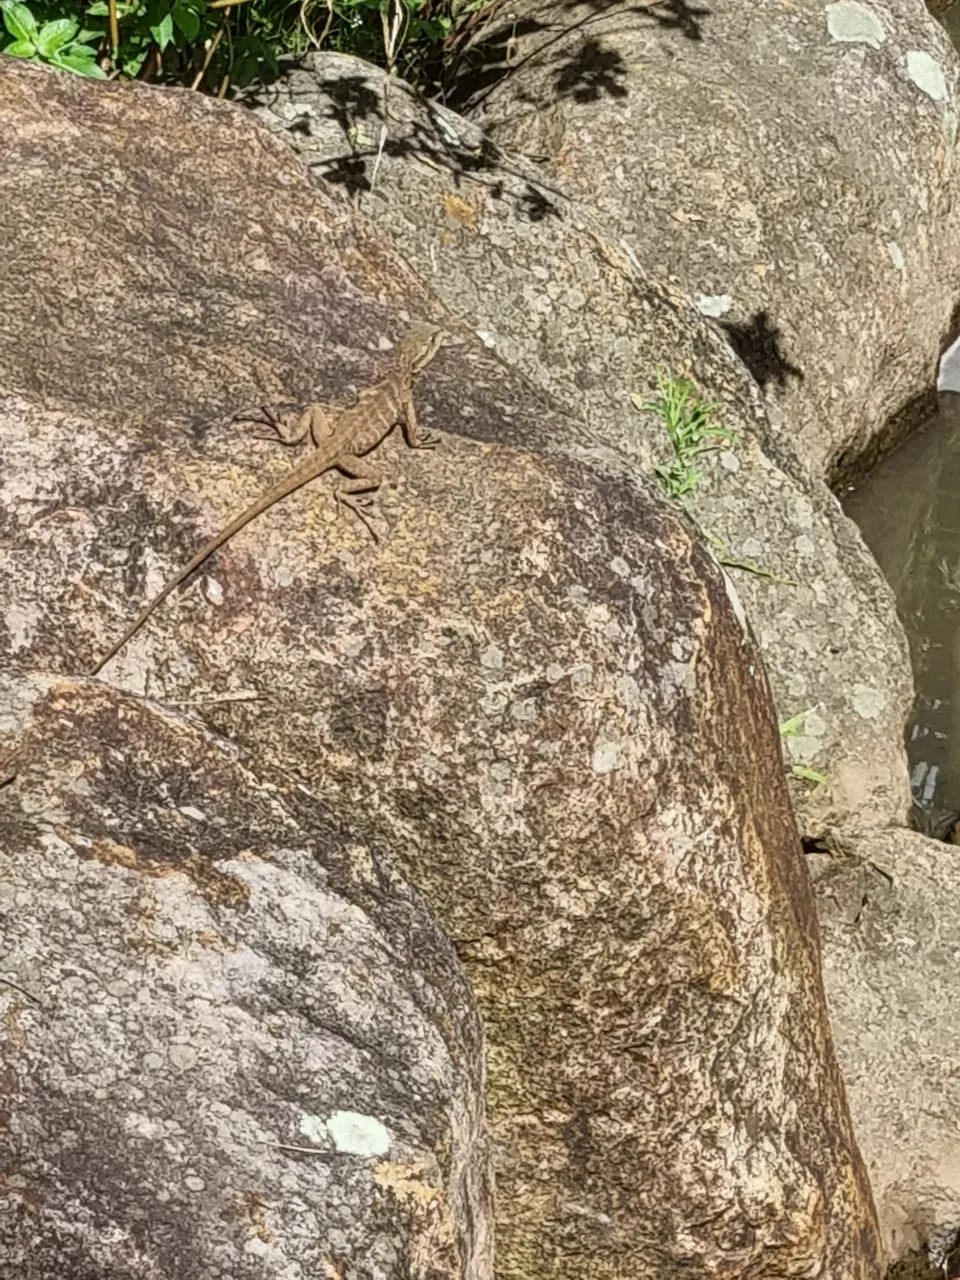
(351, 99)
(353, 103)
(678, 15)
(683, 17)
(536, 205)
(594, 70)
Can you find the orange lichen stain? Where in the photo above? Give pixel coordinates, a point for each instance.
(250, 1205)
(433, 1246)
(333, 1269)
(255, 1207)
(460, 211)
(403, 579)
(63, 696)
(146, 907)
(248, 855)
(107, 853)
(513, 603)
(212, 941)
(215, 886)
(17, 1196)
(11, 1025)
(212, 884)
(406, 1182)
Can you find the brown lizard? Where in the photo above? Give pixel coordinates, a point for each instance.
(340, 439)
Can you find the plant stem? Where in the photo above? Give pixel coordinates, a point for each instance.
(198, 78)
(114, 29)
(761, 573)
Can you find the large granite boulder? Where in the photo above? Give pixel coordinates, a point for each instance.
(791, 168)
(888, 913)
(235, 1041)
(539, 693)
(547, 287)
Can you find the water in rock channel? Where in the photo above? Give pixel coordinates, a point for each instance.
(908, 510)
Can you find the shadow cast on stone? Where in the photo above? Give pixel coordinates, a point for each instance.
(484, 64)
(593, 71)
(672, 15)
(679, 15)
(267, 74)
(847, 469)
(536, 205)
(351, 100)
(758, 344)
(431, 143)
(349, 172)
(348, 102)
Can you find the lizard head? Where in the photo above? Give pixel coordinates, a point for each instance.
(420, 344)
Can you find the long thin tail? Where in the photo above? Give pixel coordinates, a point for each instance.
(312, 466)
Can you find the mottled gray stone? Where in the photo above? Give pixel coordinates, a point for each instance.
(889, 919)
(770, 153)
(236, 1043)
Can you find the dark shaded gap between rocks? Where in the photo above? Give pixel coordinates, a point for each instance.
(907, 507)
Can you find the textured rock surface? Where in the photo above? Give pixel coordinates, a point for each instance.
(791, 165)
(889, 918)
(544, 286)
(537, 693)
(203, 976)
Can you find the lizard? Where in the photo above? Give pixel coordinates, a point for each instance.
(340, 440)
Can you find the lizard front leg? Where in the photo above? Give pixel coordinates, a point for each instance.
(318, 421)
(411, 427)
(277, 422)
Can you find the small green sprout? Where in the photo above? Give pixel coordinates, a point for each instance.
(793, 728)
(690, 426)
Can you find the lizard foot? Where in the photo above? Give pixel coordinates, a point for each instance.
(361, 508)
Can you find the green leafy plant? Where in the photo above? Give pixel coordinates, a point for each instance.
(794, 728)
(215, 45)
(59, 41)
(692, 432)
(690, 427)
(166, 39)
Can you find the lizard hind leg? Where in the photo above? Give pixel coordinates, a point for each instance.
(357, 492)
(318, 421)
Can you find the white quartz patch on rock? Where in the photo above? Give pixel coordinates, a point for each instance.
(850, 22)
(927, 74)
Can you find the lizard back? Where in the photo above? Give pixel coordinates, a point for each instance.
(365, 424)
